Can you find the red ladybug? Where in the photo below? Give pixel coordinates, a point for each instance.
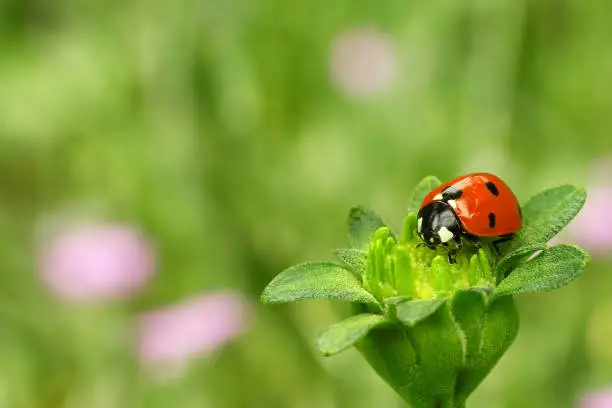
(477, 205)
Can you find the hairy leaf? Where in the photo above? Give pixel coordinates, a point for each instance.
(512, 259)
(421, 190)
(391, 355)
(346, 333)
(363, 223)
(317, 280)
(410, 312)
(552, 268)
(468, 308)
(546, 213)
(437, 345)
(499, 328)
(354, 259)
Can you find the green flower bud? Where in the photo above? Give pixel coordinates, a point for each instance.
(434, 330)
(449, 331)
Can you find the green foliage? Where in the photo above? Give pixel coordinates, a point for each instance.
(410, 312)
(354, 259)
(340, 336)
(421, 190)
(362, 223)
(316, 280)
(438, 347)
(389, 351)
(552, 268)
(515, 257)
(469, 308)
(546, 213)
(498, 325)
(440, 327)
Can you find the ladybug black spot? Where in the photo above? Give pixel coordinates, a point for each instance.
(491, 220)
(451, 193)
(492, 188)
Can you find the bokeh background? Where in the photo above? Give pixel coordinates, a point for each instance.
(161, 161)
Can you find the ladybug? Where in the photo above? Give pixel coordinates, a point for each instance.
(474, 206)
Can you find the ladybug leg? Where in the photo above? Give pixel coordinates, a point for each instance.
(501, 240)
(423, 244)
(473, 240)
(458, 241)
(451, 256)
(452, 252)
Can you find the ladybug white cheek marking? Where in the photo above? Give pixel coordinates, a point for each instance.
(438, 197)
(445, 234)
(419, 224)
(453, 204)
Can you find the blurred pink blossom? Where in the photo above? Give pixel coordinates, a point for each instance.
(96, 261)
(363, 61)
(597, 399)
(592, 227)
(195, 327)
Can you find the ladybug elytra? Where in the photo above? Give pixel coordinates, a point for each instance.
(474, 206)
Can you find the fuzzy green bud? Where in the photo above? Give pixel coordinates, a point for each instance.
(431, 329)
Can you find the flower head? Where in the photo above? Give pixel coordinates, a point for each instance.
(362, 61)
(597, 399)
(195, 327)
(592, 228)
(96, 261)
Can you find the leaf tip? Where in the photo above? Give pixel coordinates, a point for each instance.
(357, 210)
(265, 297)
(319, 345)
(431, 179)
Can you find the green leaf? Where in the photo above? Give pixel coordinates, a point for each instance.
(395, 300)
(354, 259)
(512, 259)
(546, 213)
(363, 223)
(317, 280)
(345, 334)
(419, 362)
(411, 312)
(437, 345)
(468, 309)
(421, 190)
(552, 268)
(390, 353)
(498, 329)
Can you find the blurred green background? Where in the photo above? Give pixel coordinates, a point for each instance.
(226, 131)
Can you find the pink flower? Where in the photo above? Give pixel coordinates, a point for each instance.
(96, 261)
(598, 399)
(592, 227)
(195, 327)
(363, 61)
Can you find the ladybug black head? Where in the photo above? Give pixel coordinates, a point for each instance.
(437, 224)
